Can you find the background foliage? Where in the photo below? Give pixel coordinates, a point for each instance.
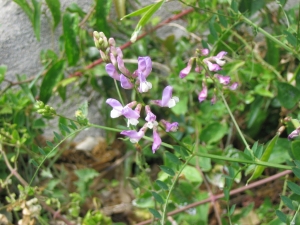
(197, 167)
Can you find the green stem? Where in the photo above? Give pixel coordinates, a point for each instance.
(294, 217)
(257, 162)
(235, 123)
(118, 91)
(271, 37)
(53, 149)
(171, 188)
(206, 155)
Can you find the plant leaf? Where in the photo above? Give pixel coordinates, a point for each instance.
(162, 185)
(37, 18)
(155, 213)
(172, 158)
(158, 198)
(26, 8)
(52, 77)
(288, 95)
(100, 15)
(265, 157)
(138, 12)
(145, 18)
(71, 46)
(294, 187)
(54, 6)
(167, 170)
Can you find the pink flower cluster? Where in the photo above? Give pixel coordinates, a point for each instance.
(116, 69)
(214, 64)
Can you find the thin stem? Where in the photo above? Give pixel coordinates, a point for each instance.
(207, 155)
(294, 217)
(271, 37)
(219, 196)
(170, 191)
(53, 149)
(118, 91)
(235, 123)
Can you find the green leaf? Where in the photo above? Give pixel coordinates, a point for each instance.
(290, 38)
(294, 187)
(296, 171)
(192, 174)
(162, 185)
(120, 7)
(272, 56)
(54, 6)
(100, 15)
(265, 157)
(138, 12)
(51, 78)
(50, 144)
(172, 158)
(213, 132)
(182, 106)
(297, 163)
(3, 69)
(37, 18)
(158, 198)
(26, 8)
(64, 128)
(180, 150)
(41, 151)
(295, 153)
(155, 213)
(134, 182)
(167, 170)
(86, 174)
(288, 202)
(71, 46)
(72, 125)
(145, 18)
(281, 216)
(57, 136)
(288, 95)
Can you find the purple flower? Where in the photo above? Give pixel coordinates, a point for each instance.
(112, 71)
(156, 140)
(234, 86)
(167, 99)
(135, 136)
(125, 82)
(122, 67)
(212, 66)
(294, 134)
(131, 115)
(143, 71)
(145, 86)
(218, 58)
(223, 79)
(170, 127)
(203, 94)
(145, 65)
(204, 51)
(184, 72)
(127, 111)
(150, 118)
(213, 99)
(117, 107)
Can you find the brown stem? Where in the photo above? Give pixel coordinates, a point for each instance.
(15, 173)
(233, 192)
(127, 44)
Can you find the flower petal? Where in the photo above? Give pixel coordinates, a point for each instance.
(145, 65)
(112, 71)
(156, 141)
(166, 96)
(125, 82)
